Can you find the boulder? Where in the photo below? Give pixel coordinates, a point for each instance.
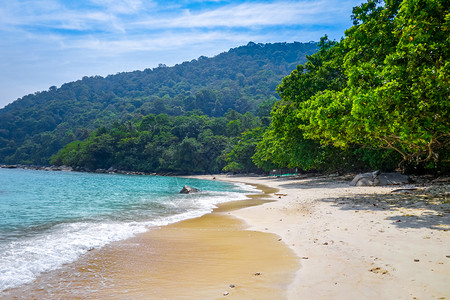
(188, 190)
(377, 178)
(393, 179)
(366, 179)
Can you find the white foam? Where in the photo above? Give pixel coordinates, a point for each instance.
(23, 260)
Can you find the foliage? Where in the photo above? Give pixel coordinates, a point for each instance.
(398, 87)
(243, 79)
(386, 85)
(239, 159)
(191, 143)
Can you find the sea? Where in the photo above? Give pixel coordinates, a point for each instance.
(48, 218)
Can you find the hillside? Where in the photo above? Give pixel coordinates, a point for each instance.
(244, 79)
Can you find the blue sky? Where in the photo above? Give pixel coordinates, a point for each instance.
(50, 42)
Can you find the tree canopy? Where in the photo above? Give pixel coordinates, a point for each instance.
(192, 143)
(386, 85)
(243, 79)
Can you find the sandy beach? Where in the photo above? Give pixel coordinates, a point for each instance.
(302, 238)
(358, 242)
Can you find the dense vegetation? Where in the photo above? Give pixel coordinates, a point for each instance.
(192, 143)
(243, 79)
(382, 92)
(377, 99)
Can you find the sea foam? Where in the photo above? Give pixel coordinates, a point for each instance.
(23, 260)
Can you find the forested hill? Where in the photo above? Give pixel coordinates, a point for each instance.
(243, 79)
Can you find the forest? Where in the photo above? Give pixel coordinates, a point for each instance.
(385, 87)
(192, 143)
(36, 126)
(377, 99)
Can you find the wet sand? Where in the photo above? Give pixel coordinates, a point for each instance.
(371, 242)
(316, 238)
(211, 257)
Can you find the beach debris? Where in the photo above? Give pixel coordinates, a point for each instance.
(416, 260)
(232, 286)
(226, 293)
(405, 190)
(305, 257)
(258, 274)
(188, 190)
(378, 270)
(378, 178)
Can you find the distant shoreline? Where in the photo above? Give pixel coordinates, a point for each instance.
(85, 170)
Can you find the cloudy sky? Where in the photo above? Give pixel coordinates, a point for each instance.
(50, 42)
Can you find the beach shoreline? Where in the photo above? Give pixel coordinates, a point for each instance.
(207, 257)
(360, 242)
(301, 238)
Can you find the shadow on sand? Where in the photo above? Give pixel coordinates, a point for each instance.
(421, 208)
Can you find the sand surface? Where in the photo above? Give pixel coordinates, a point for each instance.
(358, 242)
(210, 257)
(319, 238)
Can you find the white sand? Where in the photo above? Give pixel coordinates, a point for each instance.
(356, 242)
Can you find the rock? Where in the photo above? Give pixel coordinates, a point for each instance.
(9, 166)
(188, 190)
(365, 179)
(377, 178)
(65, 168)
(392, 178)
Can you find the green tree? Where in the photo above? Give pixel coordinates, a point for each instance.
(283, 144)
(398, 88)
(239, 159)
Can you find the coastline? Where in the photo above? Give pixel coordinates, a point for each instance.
(208, 257)
(360, 242)
(313, 238)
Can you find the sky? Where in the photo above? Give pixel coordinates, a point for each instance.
(47, 43)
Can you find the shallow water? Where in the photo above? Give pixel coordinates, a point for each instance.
(48, 219)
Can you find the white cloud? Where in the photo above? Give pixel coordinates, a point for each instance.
(48, 42)
(156, 42)
(121, 6)
(255, 14)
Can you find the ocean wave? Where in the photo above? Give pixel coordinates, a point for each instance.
(23, 260)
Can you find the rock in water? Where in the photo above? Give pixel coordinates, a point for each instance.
(188, 190)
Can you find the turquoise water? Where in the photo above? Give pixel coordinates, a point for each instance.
(48, 219)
